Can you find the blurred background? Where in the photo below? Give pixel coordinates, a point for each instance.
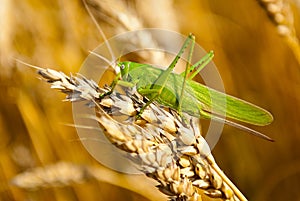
(256, 52)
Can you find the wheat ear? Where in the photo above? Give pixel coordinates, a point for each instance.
(161, 143)
(281, 14)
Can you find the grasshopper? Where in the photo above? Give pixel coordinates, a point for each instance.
(181, 93)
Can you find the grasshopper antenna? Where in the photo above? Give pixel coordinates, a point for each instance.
(100, 56)
(100, 31)
(104, 59)
(28, 64)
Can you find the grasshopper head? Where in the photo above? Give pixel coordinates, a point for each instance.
(124, 69)
(128, 69)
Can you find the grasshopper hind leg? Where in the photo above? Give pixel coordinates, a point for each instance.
(158, 86)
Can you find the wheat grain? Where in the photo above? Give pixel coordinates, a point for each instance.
(282, 15)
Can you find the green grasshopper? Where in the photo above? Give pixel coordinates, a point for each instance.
(181, 93)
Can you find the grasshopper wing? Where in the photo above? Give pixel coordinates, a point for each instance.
(221, 104)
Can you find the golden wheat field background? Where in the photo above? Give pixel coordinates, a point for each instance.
(256, 52)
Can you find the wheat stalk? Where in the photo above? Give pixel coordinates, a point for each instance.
(161, 143)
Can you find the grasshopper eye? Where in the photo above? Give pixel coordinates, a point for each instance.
(122, 66)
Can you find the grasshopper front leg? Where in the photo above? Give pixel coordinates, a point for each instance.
(114, 83)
